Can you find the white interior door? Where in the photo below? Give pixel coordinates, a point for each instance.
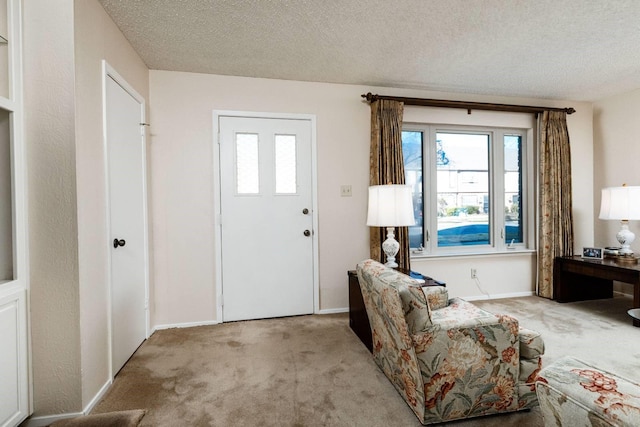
(266, 217)
(128, 224)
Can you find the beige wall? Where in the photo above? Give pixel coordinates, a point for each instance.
(616, 130)
(181, 160)
(52, 224)
(616, 144)
(65, 42)
(183, 205)
(96, 38)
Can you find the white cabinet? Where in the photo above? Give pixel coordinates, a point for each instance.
(14, 390)
(14, 356)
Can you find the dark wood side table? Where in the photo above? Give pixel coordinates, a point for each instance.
(578, 279)
(358, 319)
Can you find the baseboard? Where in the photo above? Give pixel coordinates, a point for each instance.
(498, 296)
(49, 419)
(185, 325)
(333, 310)
(215, 322)
(622, 294)
(97, 397)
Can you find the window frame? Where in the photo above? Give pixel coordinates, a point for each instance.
(497, 218)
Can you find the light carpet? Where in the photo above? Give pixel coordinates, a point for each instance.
(313, 371)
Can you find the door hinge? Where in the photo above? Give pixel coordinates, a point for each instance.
(146, 304)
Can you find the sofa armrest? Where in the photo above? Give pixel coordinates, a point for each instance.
(483, 334)
(437, 296)
(472, 353)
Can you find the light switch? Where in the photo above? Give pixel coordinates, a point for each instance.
(345, 190)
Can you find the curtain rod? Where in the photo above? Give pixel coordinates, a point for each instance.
(467, 105)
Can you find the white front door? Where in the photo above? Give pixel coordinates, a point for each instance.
(127, 215)
(266, 217)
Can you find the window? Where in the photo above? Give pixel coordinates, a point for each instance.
(469, 188)
(285, 164)
(247, 164)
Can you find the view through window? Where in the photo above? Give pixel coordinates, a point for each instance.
(467, 188)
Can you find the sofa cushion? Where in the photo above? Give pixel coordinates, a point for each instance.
(529, 369)
(572, 392)
(531, 344)
(437, 296)
(461, 314)
(415, 307)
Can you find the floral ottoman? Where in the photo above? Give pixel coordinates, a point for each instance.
(574, 393)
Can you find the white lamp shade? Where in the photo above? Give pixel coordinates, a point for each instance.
(622, 203)
(390, 206)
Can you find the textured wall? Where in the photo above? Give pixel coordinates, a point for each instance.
(183, 205)
(616, 129)
(52, 224)
(616, 150)
(65, 162)
(96, 38)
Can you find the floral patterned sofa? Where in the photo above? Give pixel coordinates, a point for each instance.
(574, 393)
(448, 359)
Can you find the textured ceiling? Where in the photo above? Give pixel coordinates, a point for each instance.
(580, 50)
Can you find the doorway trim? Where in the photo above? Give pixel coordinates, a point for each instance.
(110, 72)
(311, 118)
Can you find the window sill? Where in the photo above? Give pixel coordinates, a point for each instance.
(511, 252)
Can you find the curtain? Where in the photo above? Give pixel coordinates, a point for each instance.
(387, 167)
(555, 223)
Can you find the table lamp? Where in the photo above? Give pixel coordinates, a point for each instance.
(390, 206)
(622, 203)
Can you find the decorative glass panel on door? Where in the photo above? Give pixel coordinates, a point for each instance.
(285, 164)
(247, 164)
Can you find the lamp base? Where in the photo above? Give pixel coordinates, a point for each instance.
(626, 259)
(625, 237)
(390, 247)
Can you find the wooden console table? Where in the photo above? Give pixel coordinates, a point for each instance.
(578, 279)
(358, 319)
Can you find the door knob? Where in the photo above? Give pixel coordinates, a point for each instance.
(307, 233)
(117, 243)
(305, 211)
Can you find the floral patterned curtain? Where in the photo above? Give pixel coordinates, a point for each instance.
(555, 228)
(387, 167)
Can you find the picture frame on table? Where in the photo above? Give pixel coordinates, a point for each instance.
(592, 253)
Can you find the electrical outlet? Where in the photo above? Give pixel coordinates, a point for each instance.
(474, 273)
(345, 190)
